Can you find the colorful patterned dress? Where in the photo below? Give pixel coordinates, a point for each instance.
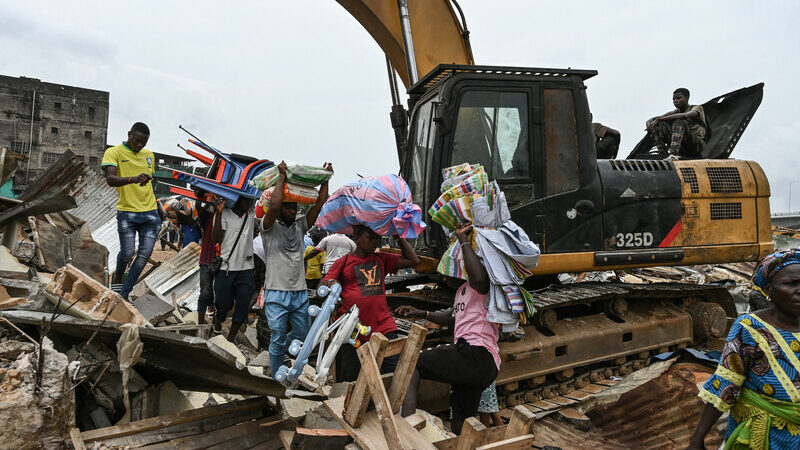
(758, 380)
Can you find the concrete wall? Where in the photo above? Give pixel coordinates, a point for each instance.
(64, 118)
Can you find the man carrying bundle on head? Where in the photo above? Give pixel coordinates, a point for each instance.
(285, 294)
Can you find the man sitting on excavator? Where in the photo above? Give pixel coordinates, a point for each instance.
(682, 131)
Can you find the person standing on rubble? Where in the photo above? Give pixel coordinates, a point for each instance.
(758, 377)
(285, 293)
(233, 283)
(208, 251)
(129, 167)
(473, 361)
(362, 275)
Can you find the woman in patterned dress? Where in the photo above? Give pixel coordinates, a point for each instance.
(758, 378)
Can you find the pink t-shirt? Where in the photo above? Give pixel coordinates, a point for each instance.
(469, 310)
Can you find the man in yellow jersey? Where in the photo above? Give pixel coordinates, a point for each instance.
(129, 167)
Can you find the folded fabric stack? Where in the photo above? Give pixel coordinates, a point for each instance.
(505, 250)
(382, 203)
(462, 185)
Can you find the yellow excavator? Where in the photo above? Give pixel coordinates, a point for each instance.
(531, 129)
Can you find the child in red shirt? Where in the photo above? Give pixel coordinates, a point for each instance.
(361, 275)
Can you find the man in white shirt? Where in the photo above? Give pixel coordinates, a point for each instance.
(335, 246)
(233, 283)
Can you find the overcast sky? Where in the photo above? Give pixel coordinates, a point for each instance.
(302, 81)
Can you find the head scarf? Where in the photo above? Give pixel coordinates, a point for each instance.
(772, 264)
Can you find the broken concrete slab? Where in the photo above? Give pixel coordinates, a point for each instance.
(57, 248)
(34, 420)
(320, 417)
(261, 360)
(152, 308)
(10, 267)
(93, 300)
(297, 408)
(31, 291)
(229, 347)
(192, 363)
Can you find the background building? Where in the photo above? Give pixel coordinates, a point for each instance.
(42, 120)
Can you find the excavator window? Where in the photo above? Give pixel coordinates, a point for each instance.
(561, 141)
(423, 136)
(492, 130)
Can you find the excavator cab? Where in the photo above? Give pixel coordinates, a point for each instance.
(529, 128)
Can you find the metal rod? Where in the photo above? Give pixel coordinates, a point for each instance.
(195, 137)
(392, 83)
(408, 41)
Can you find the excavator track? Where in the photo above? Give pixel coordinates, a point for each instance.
(588, 332)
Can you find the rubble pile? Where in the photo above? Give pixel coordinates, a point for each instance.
(36, 395)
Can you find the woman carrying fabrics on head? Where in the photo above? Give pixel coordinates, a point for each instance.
(758, 378)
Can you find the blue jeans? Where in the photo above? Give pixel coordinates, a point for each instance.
(284, 308)
(147, 224)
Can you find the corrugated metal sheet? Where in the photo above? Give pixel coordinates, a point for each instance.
(107, 236)
(180, 275)
(661, 413)
(96, 200)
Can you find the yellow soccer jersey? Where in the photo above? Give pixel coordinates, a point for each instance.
(132, 197)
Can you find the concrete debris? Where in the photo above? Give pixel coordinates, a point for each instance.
(34, 419)
(192, 363)
(92, 299)
(261, 360)
(297, 408)
(152, 308)
(228, 346)
(59, 247)
(10, 267)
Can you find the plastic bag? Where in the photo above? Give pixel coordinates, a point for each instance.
(291, 193)
(297, 174)
(382, 203)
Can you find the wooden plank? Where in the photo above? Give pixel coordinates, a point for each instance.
(395, 346)
(472, 434)
(521, 421)
(523, 442)
(606, 382)
(243, 435)
(155, 423)
(416, 421)
(75, 435)
(578, 395)
(352, 446)
(370, 434)
(358, 399)
(545, 405)
(592, 388)
(287, 437)
(151, 437)
(493, 434)
(405, 366)
(372, 376)
(321, 431)
(563, 401)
